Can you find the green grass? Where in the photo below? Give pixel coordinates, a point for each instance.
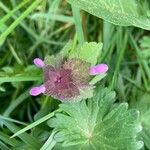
(30, 29)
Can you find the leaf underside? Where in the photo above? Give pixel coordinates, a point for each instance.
(118, 12)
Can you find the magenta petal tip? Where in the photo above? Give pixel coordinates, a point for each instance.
(38, 62)
(37, 90)
(98, 69)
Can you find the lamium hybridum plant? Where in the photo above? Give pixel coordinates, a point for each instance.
(94, 121)
(68, 78)
(76, 110)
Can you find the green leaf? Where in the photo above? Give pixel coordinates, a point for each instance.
(96, 124)
(118, 12)
(88, 52)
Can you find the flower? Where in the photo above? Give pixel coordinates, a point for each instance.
(66, 81)
(98, 69)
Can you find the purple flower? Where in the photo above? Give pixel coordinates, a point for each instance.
(66, 81)
(98, 69)
(37, 90)
(38, 62)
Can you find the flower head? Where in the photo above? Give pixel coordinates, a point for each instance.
(66, 81)
(59, 83)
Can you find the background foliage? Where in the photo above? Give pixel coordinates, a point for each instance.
(30, 29)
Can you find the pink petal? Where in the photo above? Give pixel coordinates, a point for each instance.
(98, 69)
(37, 90)
(38, 62)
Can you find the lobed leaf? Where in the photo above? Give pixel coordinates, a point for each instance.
(96, 124)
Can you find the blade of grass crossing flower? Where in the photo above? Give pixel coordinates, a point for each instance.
(32, 125)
